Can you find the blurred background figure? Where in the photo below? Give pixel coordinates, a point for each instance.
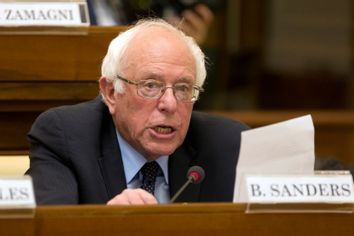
(194, 17)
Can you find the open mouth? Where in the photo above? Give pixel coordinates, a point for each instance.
(163, 129)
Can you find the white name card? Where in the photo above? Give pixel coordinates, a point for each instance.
(300, 189)
(43, 14)
(16, 193)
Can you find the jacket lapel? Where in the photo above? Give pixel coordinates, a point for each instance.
(179, 163)
(111, 161)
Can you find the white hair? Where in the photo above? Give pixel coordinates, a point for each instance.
(112, 62)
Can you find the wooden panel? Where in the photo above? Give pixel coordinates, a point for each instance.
(256, 118)
(48, 91)
(13, 128)
(54, 57)
(334, 130)
(42, 71)
(175, 219)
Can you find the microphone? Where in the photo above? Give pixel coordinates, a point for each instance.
(195, 175)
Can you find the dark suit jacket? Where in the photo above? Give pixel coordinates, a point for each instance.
(75, 157)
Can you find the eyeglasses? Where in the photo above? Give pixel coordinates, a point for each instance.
(153, 89)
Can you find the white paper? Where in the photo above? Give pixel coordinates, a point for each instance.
(282, 148)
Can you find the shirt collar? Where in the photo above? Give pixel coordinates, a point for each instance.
(133, 160)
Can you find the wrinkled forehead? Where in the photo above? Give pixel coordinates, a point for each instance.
(157, 41)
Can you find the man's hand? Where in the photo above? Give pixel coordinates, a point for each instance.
(196, 22)
(133, 197)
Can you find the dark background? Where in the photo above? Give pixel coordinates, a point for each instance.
(281, 54)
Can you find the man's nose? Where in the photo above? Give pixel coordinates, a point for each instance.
(168, 102)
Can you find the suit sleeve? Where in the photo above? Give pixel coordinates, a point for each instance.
(50, 167)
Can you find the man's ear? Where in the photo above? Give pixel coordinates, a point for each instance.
(108, 93)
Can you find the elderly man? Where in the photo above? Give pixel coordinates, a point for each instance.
(141, 126)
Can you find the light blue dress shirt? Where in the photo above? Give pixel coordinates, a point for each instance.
(132, 163)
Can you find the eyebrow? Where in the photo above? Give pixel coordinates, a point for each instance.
(186, 80)
(159, 77)
(152, 76)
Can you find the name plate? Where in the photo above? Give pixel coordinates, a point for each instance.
(44, 13)
(16, 193)
(327, 188)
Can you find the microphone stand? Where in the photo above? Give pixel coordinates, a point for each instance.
(191, 178)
